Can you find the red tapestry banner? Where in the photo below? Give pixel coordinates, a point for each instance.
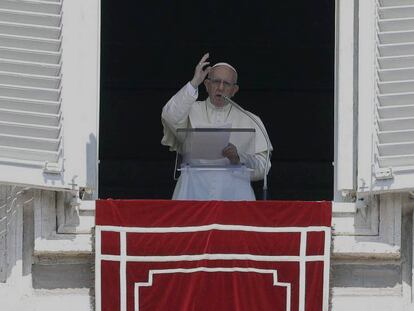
(212, 255)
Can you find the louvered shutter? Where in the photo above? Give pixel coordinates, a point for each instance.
(386, 107)
(49, 80)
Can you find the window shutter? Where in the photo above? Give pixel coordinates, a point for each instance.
(37, 136)
(391, 150)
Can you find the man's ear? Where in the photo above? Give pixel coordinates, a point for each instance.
(235, 89)
(206, 84)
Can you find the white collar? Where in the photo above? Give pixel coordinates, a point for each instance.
(210, 105)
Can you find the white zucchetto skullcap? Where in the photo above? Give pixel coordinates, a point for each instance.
(226, 65)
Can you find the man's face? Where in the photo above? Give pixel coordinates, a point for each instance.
(221, 81)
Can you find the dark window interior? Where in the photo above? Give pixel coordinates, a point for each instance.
(284, 53)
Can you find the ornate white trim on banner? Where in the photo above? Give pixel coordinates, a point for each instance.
(302, 259)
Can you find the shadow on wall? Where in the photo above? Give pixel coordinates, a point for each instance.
(92, 167)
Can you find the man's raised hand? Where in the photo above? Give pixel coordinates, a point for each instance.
(200, 72)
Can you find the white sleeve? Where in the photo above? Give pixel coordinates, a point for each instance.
(178, 107)
(257, 162)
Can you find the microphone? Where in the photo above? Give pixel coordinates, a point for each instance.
(247, 113)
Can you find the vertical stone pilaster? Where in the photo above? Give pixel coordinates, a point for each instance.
(28, 231)
(12, 200)
(3, 233)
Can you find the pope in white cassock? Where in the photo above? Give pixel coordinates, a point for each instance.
(184, 111)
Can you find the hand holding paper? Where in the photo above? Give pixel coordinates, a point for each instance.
(230, 152)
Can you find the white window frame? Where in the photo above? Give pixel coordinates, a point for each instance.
(366, 222)
(366, 94)
(345, 125)
(80, 107)
(356, 173)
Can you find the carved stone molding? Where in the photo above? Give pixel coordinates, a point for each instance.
(376, 232)
(356, 218)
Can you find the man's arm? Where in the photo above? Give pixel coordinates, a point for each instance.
(257, 162)
(178, 107)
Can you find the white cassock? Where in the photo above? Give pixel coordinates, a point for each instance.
(184, 111)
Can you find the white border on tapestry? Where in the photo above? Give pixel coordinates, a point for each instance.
(210, 270)
(123, 258)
